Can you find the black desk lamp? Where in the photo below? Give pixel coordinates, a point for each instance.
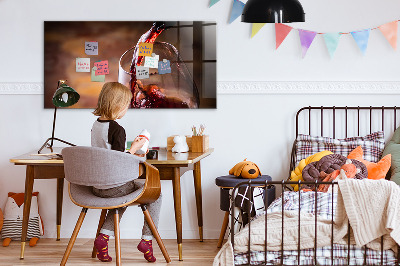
(63, 97)
(272, 11)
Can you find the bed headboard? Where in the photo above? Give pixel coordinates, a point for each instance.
(344, 121)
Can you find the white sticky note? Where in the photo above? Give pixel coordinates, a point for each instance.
(151, 61)
(142, 72)
(92, 48)
(83, 64)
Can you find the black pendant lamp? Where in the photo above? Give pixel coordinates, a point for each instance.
(273, 11)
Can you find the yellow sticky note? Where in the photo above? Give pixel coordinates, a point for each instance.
(145, 49)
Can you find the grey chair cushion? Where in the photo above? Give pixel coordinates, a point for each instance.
(83, 196)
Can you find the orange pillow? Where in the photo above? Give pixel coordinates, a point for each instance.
(375, 170)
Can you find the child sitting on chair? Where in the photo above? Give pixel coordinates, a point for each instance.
(114, 100)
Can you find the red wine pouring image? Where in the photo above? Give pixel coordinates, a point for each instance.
(173, 90)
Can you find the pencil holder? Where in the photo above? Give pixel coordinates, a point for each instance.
(200, 143)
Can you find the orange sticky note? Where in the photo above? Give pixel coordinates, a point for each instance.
(145, 49)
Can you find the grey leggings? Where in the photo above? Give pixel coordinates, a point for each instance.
(154, 208)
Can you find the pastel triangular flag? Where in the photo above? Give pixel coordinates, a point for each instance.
(306, 39)
(332, 41)
(213, 2)
(389, 30)
(361, 37)
(281, 31)
(237, 9)
(255, 28)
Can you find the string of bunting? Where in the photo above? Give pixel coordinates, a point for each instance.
(361, 37)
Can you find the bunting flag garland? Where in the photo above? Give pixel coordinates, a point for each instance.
(306, 39)
(255, 28)
(237, 9)
(361, 37)
(332, 41)
(281, 31)
(213, 2)
(389, 30)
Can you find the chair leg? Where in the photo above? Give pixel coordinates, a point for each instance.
(223, 229)
(73, 237)
(154, 230)
(117, 239)
(101, 222)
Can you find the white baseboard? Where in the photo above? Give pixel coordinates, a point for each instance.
(260, 87)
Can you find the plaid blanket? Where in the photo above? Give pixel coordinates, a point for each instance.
(324, 257)
(322, 204)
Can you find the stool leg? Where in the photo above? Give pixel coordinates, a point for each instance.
(101, 222)
(223, 229)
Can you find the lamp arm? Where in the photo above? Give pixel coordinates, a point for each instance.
(54, 126)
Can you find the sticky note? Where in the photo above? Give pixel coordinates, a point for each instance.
(102, 67)
(91, 48)
(145, 49)
(98, 78)
(151, 61)
(83, 64)
(164, 67)
(142, 72)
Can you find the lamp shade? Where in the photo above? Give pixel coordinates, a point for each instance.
(65, 96)
(273, 11)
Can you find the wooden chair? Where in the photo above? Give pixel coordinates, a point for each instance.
(85, 167)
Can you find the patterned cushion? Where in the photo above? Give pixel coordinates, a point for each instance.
(372, 144)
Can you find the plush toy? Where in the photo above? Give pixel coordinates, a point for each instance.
(1, 220)
(245, 169)
(13, 215)
(180, 144)
(296, 174)
(375, 170)
(348, 170)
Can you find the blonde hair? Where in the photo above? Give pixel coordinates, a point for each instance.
(112, 99)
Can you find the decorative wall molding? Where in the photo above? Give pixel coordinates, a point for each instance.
(21, 88)
(260, 87)
(309, 87)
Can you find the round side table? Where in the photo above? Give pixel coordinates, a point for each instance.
(228, 182)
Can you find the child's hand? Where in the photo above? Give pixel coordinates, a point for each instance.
(143, 155)
(137, 144)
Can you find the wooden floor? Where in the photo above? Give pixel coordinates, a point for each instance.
(50, 252)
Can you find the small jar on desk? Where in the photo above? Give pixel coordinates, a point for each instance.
(228, 182)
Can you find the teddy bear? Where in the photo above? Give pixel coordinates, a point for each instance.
(13, 215)
(245, 169)
(180, 144)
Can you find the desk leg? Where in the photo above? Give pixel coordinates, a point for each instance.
(176, 182)
(60, 190)
(199, 205)
(27, 206)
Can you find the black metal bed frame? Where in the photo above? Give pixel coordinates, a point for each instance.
(283, 184)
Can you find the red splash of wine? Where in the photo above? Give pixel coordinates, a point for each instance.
(150, 96)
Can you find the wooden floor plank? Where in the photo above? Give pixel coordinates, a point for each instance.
(49, 252)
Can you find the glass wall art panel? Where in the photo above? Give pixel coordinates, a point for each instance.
(166, 64)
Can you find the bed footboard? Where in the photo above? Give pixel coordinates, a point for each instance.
(309, 256)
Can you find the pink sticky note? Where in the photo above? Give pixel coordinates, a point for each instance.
(102, 67)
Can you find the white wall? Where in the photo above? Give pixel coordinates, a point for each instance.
(258, 127)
